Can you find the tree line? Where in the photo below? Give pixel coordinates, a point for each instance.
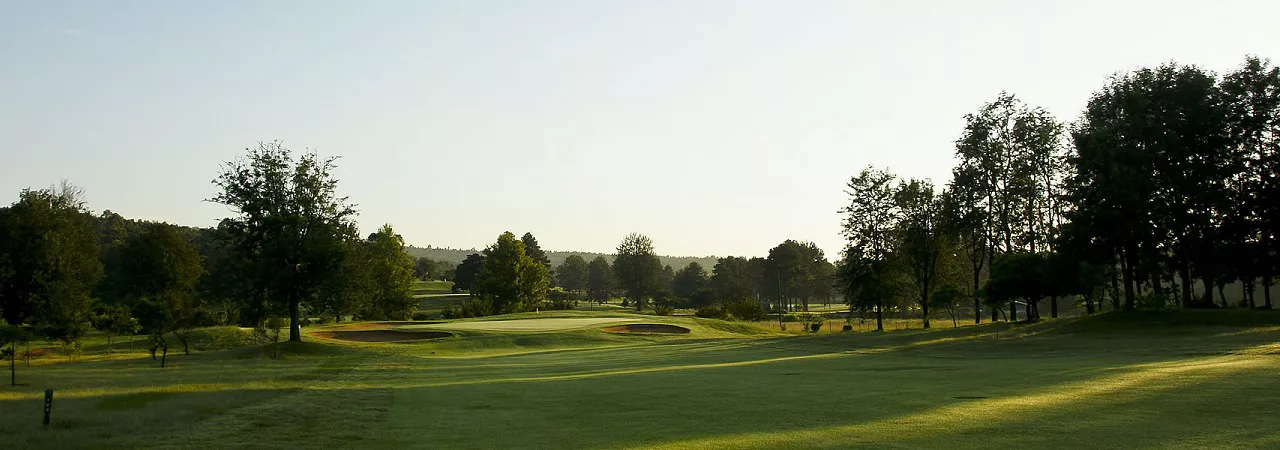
(1159, 196)
(508, 274)
(290, 250)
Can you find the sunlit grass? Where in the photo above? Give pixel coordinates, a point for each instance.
(1053, 384)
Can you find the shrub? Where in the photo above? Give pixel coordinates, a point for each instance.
(421, 315)
(663, 310)
(712, 312)
(558, 304)
(1155, 302)
(745, 310)
(558, 294)
(812, 322)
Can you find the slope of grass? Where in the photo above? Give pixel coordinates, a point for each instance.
(1205, 379)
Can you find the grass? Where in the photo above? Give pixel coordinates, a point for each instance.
(1203, 379)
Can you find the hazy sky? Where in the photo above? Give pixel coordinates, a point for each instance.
(714, 127)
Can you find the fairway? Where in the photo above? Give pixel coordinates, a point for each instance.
(1104, 382)
(552, 324)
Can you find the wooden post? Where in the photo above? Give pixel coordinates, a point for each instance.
(48, 405)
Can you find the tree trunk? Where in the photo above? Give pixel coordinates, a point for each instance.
(995, 315)
(1207, 299)
(880, 317)
(108, 344)
(1115, 290)
(1157, 287)
(924, 303)
(1184, 272)
(1053, 307)
(1127, 267)
(977, 303)
(183, 339)
(1265, 263)
(295, 328)
(1013, 311)
(1246, 294)
(1088, 305)
(13, 364)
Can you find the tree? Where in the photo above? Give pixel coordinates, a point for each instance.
(465, 274)
(867, 283)
(162, 268)
(732, 279)
(600, 279)
(48, 262)
(573, 273)
(1252, 94)
(116, 320)
(1151, 169)
(290, 224)
(353, 292)
(919, 238)
(689, 281)
(534, 251)
(948, 298)
(870, 218)
(637, 268)
(392, 273)
(425, 269)
(12, 335)
(964, 220)
(510, 280)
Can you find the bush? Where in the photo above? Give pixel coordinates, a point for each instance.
(812, 322)
(712, 312)
(421, 315)
(663, 310)
(745, 310)
(558, 294)
(1155, 302)
(558, 304)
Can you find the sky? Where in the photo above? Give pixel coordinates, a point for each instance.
(714, 127)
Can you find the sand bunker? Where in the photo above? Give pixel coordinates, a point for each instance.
(382, 335)
(531, 324)
(647, 328)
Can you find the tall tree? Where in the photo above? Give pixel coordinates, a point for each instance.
(509, 279)
(290, 224)
(535, 251)
(573, 273)
(963, 220)
(162, 268)
(919, 238)
(465, 274)
(732, 279)
(1152, 158)
(425, 269)
(600, 279)
(870, 219)
(48, 262)
(689, 281)
(637, 269)
(1252, 94)
(391, 269)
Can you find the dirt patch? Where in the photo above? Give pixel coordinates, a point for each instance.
(382, 335)
(647, 328)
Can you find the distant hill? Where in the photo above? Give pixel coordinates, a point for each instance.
(456, 256)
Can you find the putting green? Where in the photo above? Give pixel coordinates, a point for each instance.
(530, 324)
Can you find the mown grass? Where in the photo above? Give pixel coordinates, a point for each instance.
(1182, 380)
